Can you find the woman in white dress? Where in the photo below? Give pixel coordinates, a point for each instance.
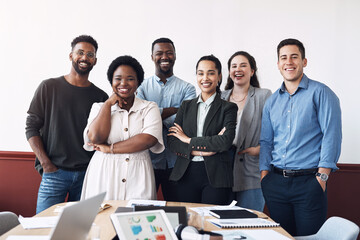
(122, 130)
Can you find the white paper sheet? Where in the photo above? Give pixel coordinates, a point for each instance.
(59, 209)
(38, 222)
(205, 211)
(28, 237)
(255, 234)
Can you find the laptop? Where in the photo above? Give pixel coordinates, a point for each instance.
(152, 224)
(75, 221)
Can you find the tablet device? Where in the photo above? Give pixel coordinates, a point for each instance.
(176, 215)
(143, 225)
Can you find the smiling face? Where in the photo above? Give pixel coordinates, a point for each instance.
(290, 63)
(164, 58)
(125, 82)
(83, 57)
(240, 71)
(208, 78)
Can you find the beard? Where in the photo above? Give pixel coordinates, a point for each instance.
(166, 70)
(81, 71)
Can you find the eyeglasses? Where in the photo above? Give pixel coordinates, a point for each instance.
(81, 53)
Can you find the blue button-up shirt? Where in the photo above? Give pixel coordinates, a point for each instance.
(171, 94)
(301, 130)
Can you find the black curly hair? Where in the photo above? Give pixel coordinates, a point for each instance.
(162, 40)
(128, 61)
(84, 38)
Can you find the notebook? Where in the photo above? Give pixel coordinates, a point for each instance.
(152, 224)
(243, 223)
(235, 213)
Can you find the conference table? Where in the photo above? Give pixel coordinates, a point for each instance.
(107, 231)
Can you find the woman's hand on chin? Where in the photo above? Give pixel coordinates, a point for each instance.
(114, 98)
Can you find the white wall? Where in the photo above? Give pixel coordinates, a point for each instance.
(35, 38)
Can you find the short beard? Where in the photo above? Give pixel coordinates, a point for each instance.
(165, 72)
(79, 71)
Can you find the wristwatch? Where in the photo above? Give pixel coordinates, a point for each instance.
(323, 176)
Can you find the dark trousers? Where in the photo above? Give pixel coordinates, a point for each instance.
(298, 203)
(195, 187)
(167, 188)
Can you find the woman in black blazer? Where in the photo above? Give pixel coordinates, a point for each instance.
(201, 137)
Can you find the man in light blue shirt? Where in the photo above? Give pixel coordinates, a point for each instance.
(168, 91)
(300, 144)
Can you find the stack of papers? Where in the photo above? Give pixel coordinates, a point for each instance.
(38, 222)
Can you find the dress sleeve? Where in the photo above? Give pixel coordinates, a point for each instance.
(93, 113)
(152, 124)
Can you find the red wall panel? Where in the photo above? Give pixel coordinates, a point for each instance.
(19, 183)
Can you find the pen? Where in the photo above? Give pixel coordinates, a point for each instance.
(239, 237)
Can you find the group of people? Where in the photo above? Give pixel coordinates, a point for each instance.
(244, 143)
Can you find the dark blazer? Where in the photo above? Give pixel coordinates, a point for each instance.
(219, 166)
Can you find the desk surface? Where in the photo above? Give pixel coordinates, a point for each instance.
(107, 231)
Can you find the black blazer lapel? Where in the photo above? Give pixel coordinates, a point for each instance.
(190, 128)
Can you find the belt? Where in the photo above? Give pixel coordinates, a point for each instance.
(294, 173)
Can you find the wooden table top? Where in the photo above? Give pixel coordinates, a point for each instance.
(107, 231)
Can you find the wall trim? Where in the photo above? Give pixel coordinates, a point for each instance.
(20, 155)
(14, 155)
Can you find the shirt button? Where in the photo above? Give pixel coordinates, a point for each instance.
(127, 159)
(123, 180)
(286, 141)
(125, 129)
(283, 156)
(288, 126)
(289, 111)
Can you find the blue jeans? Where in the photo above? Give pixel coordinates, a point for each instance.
(252, 199)
(56, 185)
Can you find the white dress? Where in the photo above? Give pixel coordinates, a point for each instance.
(128, 175)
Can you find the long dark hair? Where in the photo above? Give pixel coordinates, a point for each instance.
(253, 80)
(217, 63)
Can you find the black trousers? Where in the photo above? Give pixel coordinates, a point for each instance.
(195, 187)
(167, 187)
(298, 203)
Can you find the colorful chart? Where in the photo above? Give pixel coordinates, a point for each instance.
(136, 229)
(155, 228)
(151, 218)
